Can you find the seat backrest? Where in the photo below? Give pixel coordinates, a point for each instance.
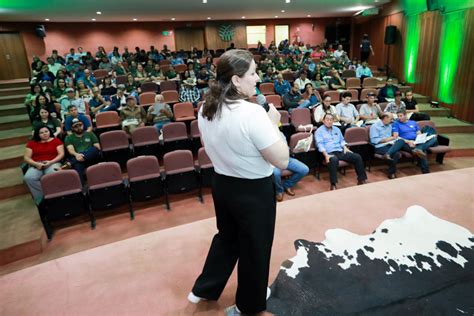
(422, 124)
(168, 85)
(142, 166)
(170, 96)
(107, 119)
(354, 94)
(370, 82)
(103, 175)
(289, 76)
(203, 159)
(195, 129)
(165, 62)
(145, 135)
(298, 136)
(335, 96)
(178, 161)
(383, 105)
(174, 131)
(267, 88)
(364, 92)
(348, 73)
(300, 117)
(113, 140)
(284, 117)
(257, 58)
(121, 79)
(60, 183)
(180, 68)
(356, 134)
(147, 98)
(275, 99)
(149, 87)
(352, 82)
(183, 109)
(100, 73)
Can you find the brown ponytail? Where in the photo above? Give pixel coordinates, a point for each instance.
(233, 62)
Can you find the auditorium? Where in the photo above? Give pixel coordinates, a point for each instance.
(221, 157)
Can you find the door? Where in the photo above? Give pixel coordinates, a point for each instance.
(281, 33)
(13, 61)
(187, 38)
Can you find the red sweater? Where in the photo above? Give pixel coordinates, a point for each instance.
(44, 151)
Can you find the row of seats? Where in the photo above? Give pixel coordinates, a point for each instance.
(65, 197)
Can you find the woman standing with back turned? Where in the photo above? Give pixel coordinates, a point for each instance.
(243, 143)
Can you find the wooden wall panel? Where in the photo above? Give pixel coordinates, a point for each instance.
(187, 37)
(213, 41)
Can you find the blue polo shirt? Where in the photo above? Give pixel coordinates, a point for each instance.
(406, 130)
(379, 131)
(329, 140)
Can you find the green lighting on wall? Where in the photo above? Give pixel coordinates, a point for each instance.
(414, 6)
(411, 47)
(452, 37)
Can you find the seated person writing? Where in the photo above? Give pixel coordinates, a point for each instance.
(370, 112)
(159, 113)
(132, 116)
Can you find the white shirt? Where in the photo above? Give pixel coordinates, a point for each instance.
(233, 140)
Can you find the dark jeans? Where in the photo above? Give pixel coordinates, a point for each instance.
(349, 157)
(393, 151)
(245, 215)
(423, 162)
(80, 166)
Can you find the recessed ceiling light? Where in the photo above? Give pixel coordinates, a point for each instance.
(172, 19)
(204, 1)
(93, 19)
(309, 15)
(208, 17)
(282, 11)
(243, 17)
(134, 19)
(276, 16)
(47, 20)
(98, 12)
(287, 1)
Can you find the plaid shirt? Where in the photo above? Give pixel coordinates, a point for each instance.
(189, 95)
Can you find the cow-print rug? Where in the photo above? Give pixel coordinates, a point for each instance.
(415, 265)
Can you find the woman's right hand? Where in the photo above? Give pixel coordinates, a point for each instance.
(274, 115)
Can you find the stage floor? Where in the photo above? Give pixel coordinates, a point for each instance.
(153, 273)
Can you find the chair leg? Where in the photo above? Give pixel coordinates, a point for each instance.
(440, 158)
(167, 201)
(91, 215)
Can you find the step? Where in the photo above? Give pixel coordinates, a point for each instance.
(11, 156)
(14, 121)
(427, 109)
(12, 183)
(16, 136)
(13, 109)
(21, 232)
(461, 143)
(421, 98)
(12, 99)
(14, 91)
(14, 83)
(452, 125)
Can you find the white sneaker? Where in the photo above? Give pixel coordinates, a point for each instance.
(232, 311)
(195, 299)
(269, 292)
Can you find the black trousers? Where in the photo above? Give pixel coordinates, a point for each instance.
(349, 157)
(245, 214)
(364, 56)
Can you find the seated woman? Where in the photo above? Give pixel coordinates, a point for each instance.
(30, 98)
(45, 119)
(43, 154)
(310, 95)
(119, 69)
(319, 84)
(171, 74)
(132, 87)
(281, 65)
(190, 72)
(323, 108)
(208, 62)
(63, 74)
(160, 113)
(317, 53)
(156, 75)
(59, 90)
(82, 91)
(107, 88)
(149, 66)
(43, 101)
(141, 75)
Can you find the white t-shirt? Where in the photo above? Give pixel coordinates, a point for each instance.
(233, 140)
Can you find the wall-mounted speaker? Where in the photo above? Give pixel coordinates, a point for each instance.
(40, 31)
(390, 35)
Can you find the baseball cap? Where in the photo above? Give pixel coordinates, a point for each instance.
(75, 121)
(69, 90)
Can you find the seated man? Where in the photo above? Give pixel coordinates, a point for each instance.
(336, 82)
(298, 169)
(189, 92)
(282, 86)
(408, 130)
(388, 91)
(302, 80)
(203, 80)
(74, 114)
(385, 144)
(346, 111)
(293, 99)
(396, 105)
(83, 146)
(332, 145)
(412, 107)
(132, 116)
(370, 112)
(363, 71)
(72, 100)
(98, 104)
(120, 99)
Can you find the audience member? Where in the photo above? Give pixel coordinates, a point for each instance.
(346, 111)
(387, 93)
(120, 99)
(336, 82)
(323, 108)
(363, 71)
(332, 145)
(310, 95)
(385, 143)
(53, 66)
(83, 147)
(72, 100)
(43, 155)
(132, 115)
(45, 119)
(73, 114)
(107, 88)
(160, 113)
(365, 49)
(99, 104)
(370, 112)
(411, 106)
(293, 99)
(281, 86)
(302, 81)
(396, 105)
(188, 92)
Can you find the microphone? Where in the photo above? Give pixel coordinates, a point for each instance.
(261, 100)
